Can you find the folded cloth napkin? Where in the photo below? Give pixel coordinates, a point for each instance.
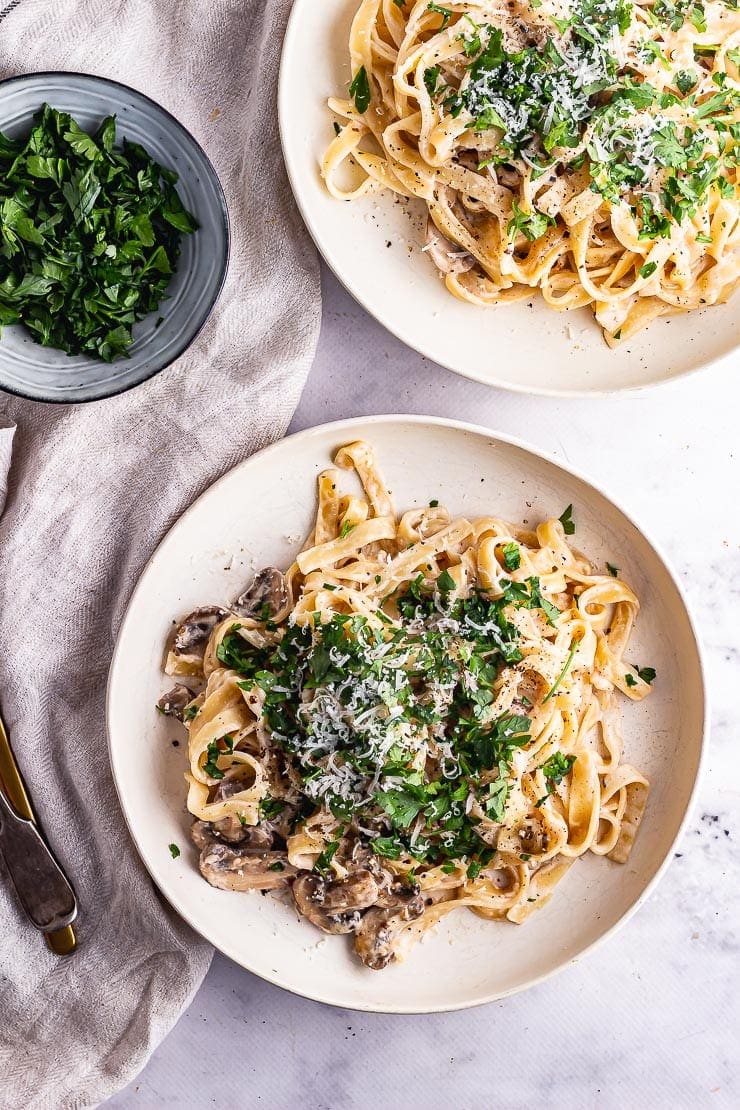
(90, 491)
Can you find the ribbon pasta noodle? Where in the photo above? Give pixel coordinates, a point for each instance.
(585, 148)
(417, 717)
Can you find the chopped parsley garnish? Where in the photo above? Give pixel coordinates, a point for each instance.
(532, 225)
(353, 702)
(446, 13)
(614, 571)
(566, 519)
(323, 863)
(359, 90)
(213, 751)
(174, 851)
(190, 713)
(548, 99)
(556, 768)
(431, 77)
(512, 556)
(90, 235)
(647, 674)
(346, 529)
(445, 582)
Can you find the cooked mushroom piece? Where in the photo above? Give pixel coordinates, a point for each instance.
(378, 929)
(201, 835)
(447, 256)
(233, 869)
(192, 634)
(266, 596)
(230, 828)
(173, 703)
(334, 907)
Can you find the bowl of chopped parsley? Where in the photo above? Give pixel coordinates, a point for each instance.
(114, 237)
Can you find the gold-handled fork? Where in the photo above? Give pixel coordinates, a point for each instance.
(63, 940)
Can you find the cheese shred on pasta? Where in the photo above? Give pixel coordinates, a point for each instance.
(416, 717)
(587, 148)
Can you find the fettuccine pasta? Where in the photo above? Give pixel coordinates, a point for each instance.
(585, 148)
(417, 717)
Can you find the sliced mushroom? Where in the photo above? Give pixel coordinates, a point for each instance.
(266, 596)
(173, 703)
(192, 634)
(233, 869)
(201, 835)
(397, 894)
(447, 256)
(230, 828)
(334, 907)
(533, 838)
(378, 929)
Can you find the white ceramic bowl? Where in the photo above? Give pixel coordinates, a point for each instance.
(259, 514)
(374, 248)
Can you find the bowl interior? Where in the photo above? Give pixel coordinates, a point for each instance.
(260, 514)
(374, 246)
(44, 373)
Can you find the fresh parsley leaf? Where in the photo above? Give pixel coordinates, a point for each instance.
(323, 862)
(359, 90)
(512, 556)
(630, 680)
(445, 582)
(685, 81)
(532, 225)
(566, 519)
(387, 846)
(648, 269)
(174, 851)
(556, 768)
(346, 529)
(211, 766)
(431, 77)
(446, 13)
(271, 807)
(647, 674)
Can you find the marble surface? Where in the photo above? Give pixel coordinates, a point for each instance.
(651, 1018)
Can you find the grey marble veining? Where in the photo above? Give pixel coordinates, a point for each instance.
(651, 1018)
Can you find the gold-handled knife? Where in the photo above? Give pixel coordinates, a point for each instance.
(61, 940)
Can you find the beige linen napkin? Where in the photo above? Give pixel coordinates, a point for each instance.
(91, 490)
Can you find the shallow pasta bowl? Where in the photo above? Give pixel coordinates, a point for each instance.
(259, 514)
(375, 246)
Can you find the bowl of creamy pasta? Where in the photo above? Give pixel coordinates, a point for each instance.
(493, 179)
(447, 720)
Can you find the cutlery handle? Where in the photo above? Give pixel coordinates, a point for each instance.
(42, 887)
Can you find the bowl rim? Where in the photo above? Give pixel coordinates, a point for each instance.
(336, 427)
(96, 79)
(346, 279)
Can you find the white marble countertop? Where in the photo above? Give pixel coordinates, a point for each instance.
(653, 1016)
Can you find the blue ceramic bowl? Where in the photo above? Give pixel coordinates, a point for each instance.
(46, 374)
